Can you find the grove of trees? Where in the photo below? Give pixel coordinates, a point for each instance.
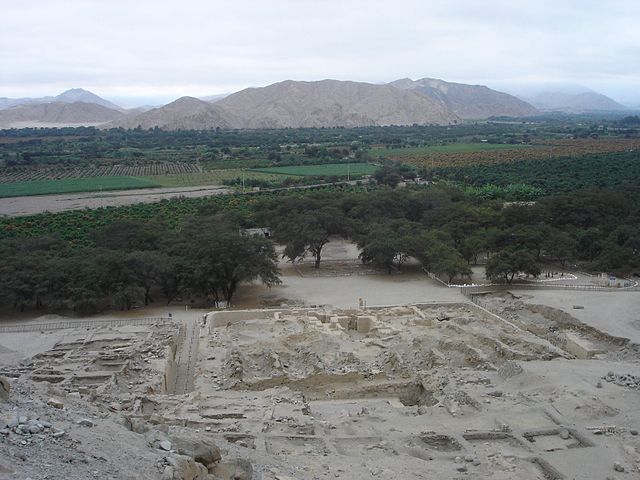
(121, 257)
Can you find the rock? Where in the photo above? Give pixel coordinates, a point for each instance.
(237, 469)
(186, 468)
(5, 431)
(633, 432)
(5, 388)
(618, 467)
(58, 434)
(55, 403)
(202, 450)
(564, 434)
(85, 422)
(34, 429)
(468, 458)
(461, 468)
(167, 474)
(510, 369)
(165, 445)
(22, 420)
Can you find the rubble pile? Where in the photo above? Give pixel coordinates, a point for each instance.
(623, 380)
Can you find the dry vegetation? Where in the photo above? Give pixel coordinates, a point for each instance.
(541, 150)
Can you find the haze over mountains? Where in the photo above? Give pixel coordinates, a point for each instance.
(468, 101)
(574, 102)
(69, 96)
(295, 104)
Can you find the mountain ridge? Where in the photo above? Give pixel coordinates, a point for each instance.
(294, 104)
(468, 101)
(57, 113)
(71, 95)
(580, 102)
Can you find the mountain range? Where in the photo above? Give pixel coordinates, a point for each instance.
(295, 104)
(468, 101)
(69, 96)
(580, 102)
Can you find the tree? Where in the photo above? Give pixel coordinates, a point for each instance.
(479, 241)
(442, 259)
(217, 259)
(507, 263)
(146, 268)
(389, 244)
(306, 233)
(452, 265)
(388, 175)
(560, 246)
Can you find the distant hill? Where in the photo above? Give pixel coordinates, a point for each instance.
(289, 104)
(581, 102)
(57, 114)
(332, 103)
(468, 101)
(80, 95)
(186, 113)
(69, 96)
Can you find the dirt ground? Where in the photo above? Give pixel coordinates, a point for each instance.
(17, 206)
(512, 385)
(616, 313)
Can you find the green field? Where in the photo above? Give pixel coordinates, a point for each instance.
(212, 177)
(448, 148)
(73, 185)
(325, 170)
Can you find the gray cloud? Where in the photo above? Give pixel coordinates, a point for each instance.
(166, 49)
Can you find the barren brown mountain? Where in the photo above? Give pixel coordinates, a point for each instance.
(186, 113)
(468, 101)
(289, 104)
(332, 103)
(58, 114)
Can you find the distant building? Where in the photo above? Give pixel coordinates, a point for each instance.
(257, 232)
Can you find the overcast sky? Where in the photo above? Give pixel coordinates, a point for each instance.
(156, 51)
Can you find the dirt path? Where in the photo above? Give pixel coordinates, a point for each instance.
(186, 356)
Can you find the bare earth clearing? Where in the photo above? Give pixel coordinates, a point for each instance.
(439, 387)
(17, 206)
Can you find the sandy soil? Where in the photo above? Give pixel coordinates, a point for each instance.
(342, 281)
(616, 313)
(17, 206)
(439, 390)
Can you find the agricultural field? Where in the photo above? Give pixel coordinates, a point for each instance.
(324, 170)
(73, 185)
(75, 226)
(214, 177)
(455, 147)
(28, 174)
(542, 150)
(550, 176)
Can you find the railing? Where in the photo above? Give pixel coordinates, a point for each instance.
(475, 289)
(116, 322)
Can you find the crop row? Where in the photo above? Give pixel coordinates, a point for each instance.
(538, 151)
(27, 174)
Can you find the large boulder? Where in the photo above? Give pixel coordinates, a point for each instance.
(202, 450)
(181, 467)
(5, 388)
(234, 469)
